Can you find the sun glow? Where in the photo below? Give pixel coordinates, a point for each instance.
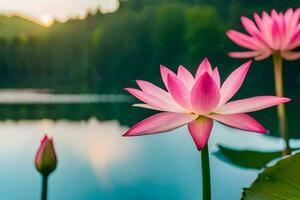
(46, 20)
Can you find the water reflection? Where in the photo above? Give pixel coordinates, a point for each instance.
(104, 147)
(95, 162)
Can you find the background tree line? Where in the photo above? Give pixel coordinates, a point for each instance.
(105, 52)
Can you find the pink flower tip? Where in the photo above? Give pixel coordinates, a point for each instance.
(128, 89)
(46, 138)
(124, 135)
(45, 160)
(249, 62)
(263, 131)
(243, 18)
(285, 99)
(127, 134)
(247, 65)
(229, 32)
(162, 67)
(206, 59)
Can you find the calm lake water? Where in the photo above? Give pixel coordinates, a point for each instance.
(95, 162)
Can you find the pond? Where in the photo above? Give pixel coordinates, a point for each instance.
(70, 79)
(95, 162)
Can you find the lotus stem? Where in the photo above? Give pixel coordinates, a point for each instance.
(206, 187)
(44, 187)
(277, 61)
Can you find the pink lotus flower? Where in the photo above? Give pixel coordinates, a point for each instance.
(197, 101)
(278, 33)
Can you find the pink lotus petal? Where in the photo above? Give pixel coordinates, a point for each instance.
(143, 105)
(233, 83)
(266, 28)
(250, 26)
(289, 29)
(289, 55)
(263, 56)
(245, 54)
(150, 88)
(251, 104)
(149, 99)
(264, 25)
(200, 130)
(240, 121)
(205, 94)
(185, 76)
(203, 67)
(258, 21)
(179, 91)
(276, 35)
(157, 92)
(242, 39)
(161, 122)
(164, 71)
(294, 41)
(216, 76)
(294, 21)
(288, 15)
(274, 14)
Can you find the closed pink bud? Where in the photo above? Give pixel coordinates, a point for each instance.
(45, 160)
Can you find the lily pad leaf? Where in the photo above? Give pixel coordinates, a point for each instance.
(246, 158)
(278, 182)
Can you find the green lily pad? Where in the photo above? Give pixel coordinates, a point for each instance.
(279, 182)
(246, 158)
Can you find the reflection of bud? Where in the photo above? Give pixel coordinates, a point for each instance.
(45, 160)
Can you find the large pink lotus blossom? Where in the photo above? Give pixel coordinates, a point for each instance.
(276, 33)
(197, 101)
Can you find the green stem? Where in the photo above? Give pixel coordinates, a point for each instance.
(277, 61)
(206, 188)
(44, 187)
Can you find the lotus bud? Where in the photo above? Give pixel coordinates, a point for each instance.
(45, 160)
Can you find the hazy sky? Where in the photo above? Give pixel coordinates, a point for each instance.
(44, 10)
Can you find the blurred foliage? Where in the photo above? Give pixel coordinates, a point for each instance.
(250, 159)
(280, 181)
(247, 158)
(15, 26)
(106, 52)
